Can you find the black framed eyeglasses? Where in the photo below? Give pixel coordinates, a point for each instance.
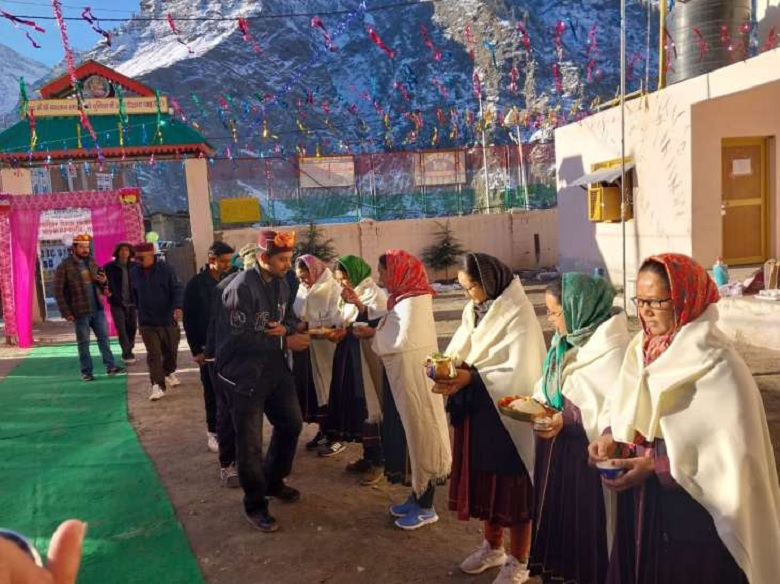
(654, 303)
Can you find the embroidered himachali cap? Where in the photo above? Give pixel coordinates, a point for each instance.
(144, 248)
(272, 242)
(82, 238)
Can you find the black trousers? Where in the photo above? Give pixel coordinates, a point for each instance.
(126, 323)
(162, 351)
(209, 397)
(223, 418)
(272, 394)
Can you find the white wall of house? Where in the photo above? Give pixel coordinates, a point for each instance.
(670, 214)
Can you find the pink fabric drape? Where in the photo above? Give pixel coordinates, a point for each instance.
(24, 250)
(108, 229)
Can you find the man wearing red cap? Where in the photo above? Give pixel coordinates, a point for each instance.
(252, 334)
(79, 285)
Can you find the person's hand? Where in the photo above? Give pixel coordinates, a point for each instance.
(200, 358)
(177, 314)
(275, 329)
(363, 332)
(454, 385)
(62, 565)
(301, 327)
(637, 471)
(349, 296)
(298, 342)
(70, 318)
(601, 449)
(336, 335)
(100, 277)
(550, 431)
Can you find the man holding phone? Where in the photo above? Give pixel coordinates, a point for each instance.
(253, 330)
(79, 285)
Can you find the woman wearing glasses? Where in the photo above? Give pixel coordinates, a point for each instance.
(498, 350)
(699, 500)
(571, 539)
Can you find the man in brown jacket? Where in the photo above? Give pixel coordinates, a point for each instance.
(79, 285)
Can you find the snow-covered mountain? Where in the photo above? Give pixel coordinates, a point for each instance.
(279, 89)
(12, 67)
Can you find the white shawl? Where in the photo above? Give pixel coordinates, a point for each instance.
(590, 371)
(319, 306)
(403, 339)
(372, 296)
(374, 299)
(507, 348)
(702, 396)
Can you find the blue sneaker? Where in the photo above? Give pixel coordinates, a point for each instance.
(402, 509)
(416, 518)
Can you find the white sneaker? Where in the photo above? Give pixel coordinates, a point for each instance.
(157, 393)
(483, 559)
(513, 572)
(171, 380)
(212, 443)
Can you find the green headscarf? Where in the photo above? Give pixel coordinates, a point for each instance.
(356, 267)
(587, 303)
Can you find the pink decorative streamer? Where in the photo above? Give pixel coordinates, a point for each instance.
(592, 52)
(771, 40)
(669, 44)
(701, 42)
(524, 38)
(560, 28)
(378, 42)
(243, 27)
(556, 71)
(429, 43)
(178, 35)
(24, 22)
(400, 87)
(316, 22)
(476, 85)
(87, 15)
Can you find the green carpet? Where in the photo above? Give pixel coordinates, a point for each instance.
(68, 450)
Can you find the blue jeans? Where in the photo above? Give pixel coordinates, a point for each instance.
(97, 322)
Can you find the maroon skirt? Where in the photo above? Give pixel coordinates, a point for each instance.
(570, 542)
(664, 536)
(502, 499)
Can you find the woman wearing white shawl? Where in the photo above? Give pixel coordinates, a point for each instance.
(354, 412)
(571, 539)
(403, 339)
(317, 305)
(499, 350)
(699, 501)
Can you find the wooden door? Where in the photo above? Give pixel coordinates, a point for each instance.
(744, 204)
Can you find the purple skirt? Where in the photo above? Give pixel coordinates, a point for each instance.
(664, 536)
(570, 542)
(502, 499)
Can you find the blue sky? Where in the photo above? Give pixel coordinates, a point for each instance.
(80, 34)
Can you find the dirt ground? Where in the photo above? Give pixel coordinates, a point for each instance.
(339, 532)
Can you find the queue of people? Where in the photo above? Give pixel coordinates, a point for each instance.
(648, 455)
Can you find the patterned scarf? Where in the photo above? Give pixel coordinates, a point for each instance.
(692, 292)
(587, 303)
(406, 277)
(494, 277)
(315, 266)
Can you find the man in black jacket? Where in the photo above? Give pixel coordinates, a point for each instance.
(121, 299)
(198, 303)
(253, 329)
(158, 295)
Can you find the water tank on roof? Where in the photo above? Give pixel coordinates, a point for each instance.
(701, 43)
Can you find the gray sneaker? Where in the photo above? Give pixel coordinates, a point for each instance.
(228, 476)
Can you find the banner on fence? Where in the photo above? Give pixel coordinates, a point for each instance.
(239, 210)
(327, 171)
(440, 168)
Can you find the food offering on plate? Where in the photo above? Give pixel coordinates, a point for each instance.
(525, 409)
(440, 367)
(608, 470)
(320, 332)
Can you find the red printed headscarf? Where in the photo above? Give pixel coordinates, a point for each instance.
(692, 292)
(406, 277)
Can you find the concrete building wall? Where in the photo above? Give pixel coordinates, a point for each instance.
(512, 237)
